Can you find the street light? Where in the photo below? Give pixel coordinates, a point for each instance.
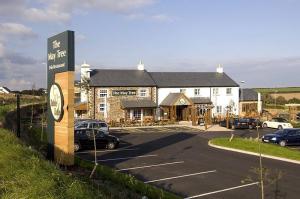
(242, 97)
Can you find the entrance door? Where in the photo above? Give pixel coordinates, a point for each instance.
(181, 112)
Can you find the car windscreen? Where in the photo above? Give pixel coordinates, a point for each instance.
(281, 120)
(279, 132)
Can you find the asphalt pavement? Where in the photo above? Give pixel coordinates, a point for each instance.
(179, 160)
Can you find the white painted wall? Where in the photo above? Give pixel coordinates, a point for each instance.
(222, 99)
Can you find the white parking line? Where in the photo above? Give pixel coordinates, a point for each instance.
(153, 165)
(182, 176)
(223, 190)
(133, 157)
(103, 151)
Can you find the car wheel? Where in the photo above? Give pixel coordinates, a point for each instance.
(265, 125)
(111, 145)
(279, 127)
(282, 143)
(76, 147)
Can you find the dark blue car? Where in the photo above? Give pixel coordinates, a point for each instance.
(284, 137)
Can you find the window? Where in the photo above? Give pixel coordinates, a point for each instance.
(182, 90)
(143, 93)
(197, 91)
(219, 109)
(82, 125)
(137, 114)
(228, 91)
(215, 91)
(102, 107)
(102, 93)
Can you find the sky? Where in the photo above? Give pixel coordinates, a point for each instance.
(255, 41)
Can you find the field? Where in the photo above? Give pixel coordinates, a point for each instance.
(278, 90)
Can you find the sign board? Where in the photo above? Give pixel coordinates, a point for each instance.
(123, 92)
(60, 73)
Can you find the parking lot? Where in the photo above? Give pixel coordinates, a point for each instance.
(179, 160)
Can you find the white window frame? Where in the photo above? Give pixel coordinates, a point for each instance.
(143, 92)
(102, 107)
(219, 109)
(182, 90)
(103, 93)
(197, 92)
(137, 114)
(215, 91)
(227, 89)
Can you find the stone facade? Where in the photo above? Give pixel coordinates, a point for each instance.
(108, 106)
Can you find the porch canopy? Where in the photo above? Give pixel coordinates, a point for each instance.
(129, 104)
(176, 99)
(201, 100)
(80, 106)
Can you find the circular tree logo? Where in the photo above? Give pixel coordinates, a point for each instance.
(56, 102)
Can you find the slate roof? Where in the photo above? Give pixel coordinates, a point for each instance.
(248, 94)
(201, 100)
(192, 79)
(116, 78)
(172, 98)
(138, 104)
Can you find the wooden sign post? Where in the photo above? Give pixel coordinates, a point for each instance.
(60, 106)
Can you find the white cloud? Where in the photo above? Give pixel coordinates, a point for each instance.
(15, 29)
(61, 11)
(162, 18)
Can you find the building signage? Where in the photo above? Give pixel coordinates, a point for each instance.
(60, 106)
(56, 102)
(60, 54)
(123, 92)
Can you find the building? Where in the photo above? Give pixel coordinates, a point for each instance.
(4, 90)
(250, 103)
(120, 95)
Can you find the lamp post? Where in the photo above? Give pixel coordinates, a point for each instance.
(242, 94)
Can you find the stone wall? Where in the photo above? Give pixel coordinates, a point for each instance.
(114, 111)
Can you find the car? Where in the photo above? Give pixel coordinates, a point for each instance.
(84, 139)
(92, 124)
(283, 137)
(253, 123)
(298, 116)
(241, 123)
(277, 123)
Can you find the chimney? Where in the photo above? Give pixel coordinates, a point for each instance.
(141, 66)
(220, 69)
(84, 79)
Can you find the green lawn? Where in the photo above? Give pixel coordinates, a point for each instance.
(252, 146)
(24, 173)
(5, 109)
(279, 90)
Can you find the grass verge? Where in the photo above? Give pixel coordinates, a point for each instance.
(24, 173)
(252, 146)
(126, 180)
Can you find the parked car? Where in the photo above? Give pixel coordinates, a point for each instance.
(241, 123)
(84, 139)
(277, 123)
(253, 123)
(92, 124)
(298, 116)
(284, 137)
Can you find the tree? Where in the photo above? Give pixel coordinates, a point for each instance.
(281, 100)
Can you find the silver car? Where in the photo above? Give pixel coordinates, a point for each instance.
(92, 124)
